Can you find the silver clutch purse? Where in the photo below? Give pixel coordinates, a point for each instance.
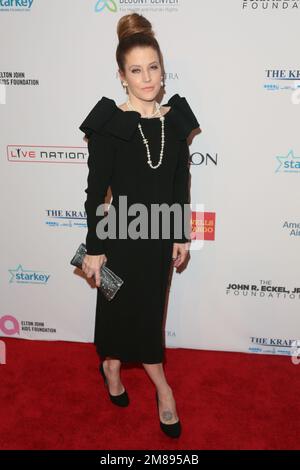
(110, 283)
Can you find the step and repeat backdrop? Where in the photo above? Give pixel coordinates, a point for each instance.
(237, 64)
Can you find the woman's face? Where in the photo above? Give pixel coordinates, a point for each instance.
(142, 70)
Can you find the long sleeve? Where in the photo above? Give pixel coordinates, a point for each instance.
(100, 165)
(181, 193)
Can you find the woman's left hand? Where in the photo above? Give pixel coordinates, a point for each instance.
(180, 252)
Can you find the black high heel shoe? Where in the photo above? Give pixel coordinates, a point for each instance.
(171, 430)
(120, 400)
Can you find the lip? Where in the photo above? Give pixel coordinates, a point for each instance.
(148, 88)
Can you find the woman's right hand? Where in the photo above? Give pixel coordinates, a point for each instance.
(91, 266)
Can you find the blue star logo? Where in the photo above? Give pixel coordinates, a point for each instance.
(27, 276)
(289, 163)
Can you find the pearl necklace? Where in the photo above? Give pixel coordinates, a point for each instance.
(162, 119)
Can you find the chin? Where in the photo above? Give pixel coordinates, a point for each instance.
(150, 94)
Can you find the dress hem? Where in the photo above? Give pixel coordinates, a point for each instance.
(122, 358)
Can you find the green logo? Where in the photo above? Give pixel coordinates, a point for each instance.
(109, 4)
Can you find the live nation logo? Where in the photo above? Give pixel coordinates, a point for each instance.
(46, 154)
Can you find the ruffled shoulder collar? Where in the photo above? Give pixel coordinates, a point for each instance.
(106, 116)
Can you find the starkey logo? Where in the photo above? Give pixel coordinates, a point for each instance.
(26, 276)
(15, 5)
(288, 163)
(106, 4)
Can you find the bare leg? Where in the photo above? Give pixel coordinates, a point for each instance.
(111, 369)
(166, 402)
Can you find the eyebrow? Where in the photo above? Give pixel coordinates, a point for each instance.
(134, 65)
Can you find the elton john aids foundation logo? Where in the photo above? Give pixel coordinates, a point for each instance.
(9, 325)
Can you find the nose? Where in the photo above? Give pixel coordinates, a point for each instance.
(146, 77)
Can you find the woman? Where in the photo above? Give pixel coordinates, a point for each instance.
(139, 149)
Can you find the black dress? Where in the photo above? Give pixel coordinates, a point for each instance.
(129, 327)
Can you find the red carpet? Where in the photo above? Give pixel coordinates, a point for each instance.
(53, 397)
